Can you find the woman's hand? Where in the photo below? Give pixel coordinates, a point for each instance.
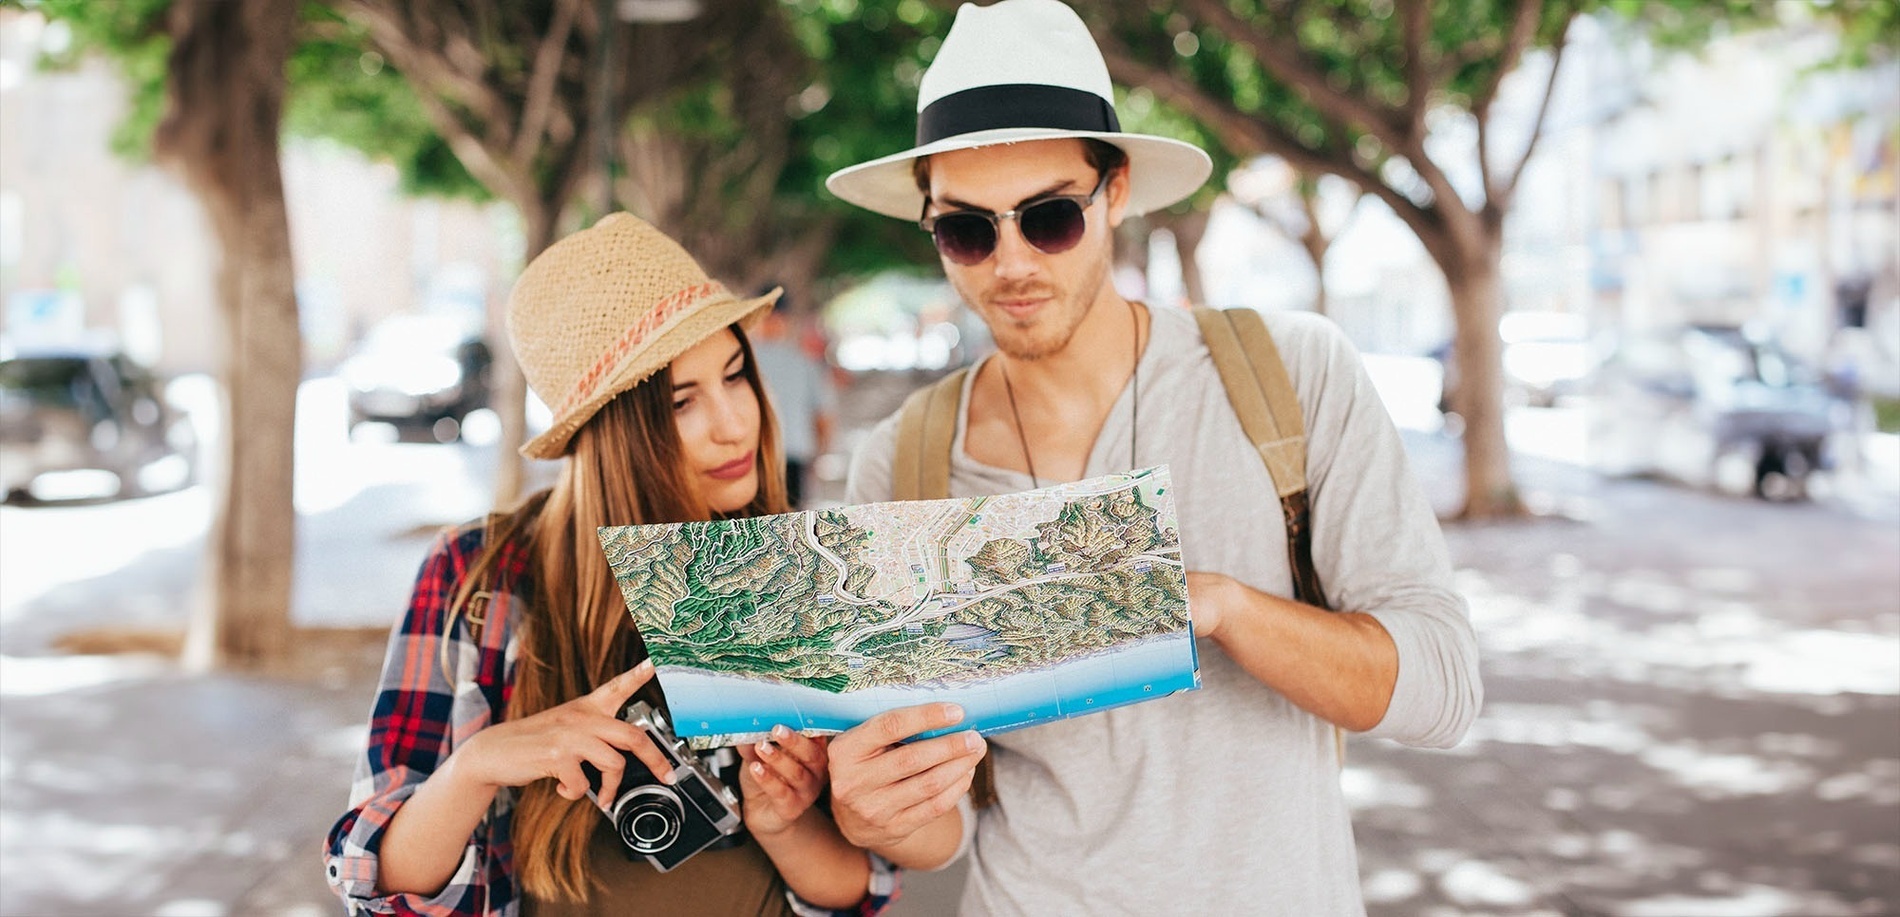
(782, 777)
(555, 742)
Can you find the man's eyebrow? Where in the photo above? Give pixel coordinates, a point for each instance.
(966, 205)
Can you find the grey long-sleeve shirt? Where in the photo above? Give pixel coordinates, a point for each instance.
(1226, 799)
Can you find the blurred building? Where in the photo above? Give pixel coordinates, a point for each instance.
(98, 245)
(1746, 185)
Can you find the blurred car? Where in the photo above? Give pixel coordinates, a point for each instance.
(419, 371)
(1547, 356)
(89, 424)
(1711, 405)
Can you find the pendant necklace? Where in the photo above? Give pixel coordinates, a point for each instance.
(1134, 405)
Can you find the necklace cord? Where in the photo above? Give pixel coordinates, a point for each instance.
(1134, 404)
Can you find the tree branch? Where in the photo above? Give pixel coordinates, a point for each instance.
(547, 67)
(1244, 133)
(1284, 60)
(1523, 30)
(1420, 75)
(1503, 198)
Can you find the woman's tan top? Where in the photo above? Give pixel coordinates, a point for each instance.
(731, 882)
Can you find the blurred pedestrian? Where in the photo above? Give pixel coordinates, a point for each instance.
(506, 680)
(802, 397)
(1225, 800)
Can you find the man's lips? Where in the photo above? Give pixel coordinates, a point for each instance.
(1020, 306)
(733, 470)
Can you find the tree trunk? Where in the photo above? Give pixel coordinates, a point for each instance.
(1315, 243)
(226, 88)
(1188, 231)
(509, 386)
(1475, 278)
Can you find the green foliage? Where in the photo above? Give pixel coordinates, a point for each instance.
(132, 34)
(862, 105)
(342, 89)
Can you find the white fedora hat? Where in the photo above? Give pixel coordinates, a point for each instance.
(1015, 71)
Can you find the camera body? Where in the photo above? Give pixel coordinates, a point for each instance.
(665, 824)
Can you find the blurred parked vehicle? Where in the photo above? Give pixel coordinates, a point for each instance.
(419, 371)
(1546, 356)
(1711, 405)
(89, 423)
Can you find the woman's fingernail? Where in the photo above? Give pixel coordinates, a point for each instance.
(780, 732)
(766, 749)
(953, 713)
(646, 665)
(758, 769)
(972, 741)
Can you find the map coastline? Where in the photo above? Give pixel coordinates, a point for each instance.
(739, 709)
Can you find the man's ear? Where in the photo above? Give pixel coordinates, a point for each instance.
(1117, 193)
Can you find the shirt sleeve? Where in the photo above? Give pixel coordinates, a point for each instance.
(1376, 541)
(411, 731)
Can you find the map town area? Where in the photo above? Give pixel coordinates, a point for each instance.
(924, 595)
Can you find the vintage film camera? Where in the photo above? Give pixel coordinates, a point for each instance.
(668, 824)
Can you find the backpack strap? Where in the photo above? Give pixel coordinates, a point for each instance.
(926, 431)
(1269, 411)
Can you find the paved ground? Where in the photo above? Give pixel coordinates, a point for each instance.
(1694, 708)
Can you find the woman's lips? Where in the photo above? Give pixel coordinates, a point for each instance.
(733, 470)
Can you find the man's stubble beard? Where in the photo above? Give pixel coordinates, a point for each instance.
(1069, 308)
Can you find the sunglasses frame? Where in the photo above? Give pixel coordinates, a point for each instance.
(1083, 201)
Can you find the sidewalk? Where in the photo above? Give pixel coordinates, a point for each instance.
(1693, 708)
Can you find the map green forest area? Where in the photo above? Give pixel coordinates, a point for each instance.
(942, 591)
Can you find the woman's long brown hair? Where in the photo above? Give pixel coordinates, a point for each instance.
(625, 468)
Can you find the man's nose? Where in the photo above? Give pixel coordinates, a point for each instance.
(1015, 257)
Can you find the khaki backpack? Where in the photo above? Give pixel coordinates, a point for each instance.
(1263, 399)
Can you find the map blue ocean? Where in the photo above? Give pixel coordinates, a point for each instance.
(705, 703)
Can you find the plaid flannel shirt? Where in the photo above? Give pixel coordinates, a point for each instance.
(436, 692)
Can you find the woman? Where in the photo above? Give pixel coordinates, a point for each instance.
(517, 653)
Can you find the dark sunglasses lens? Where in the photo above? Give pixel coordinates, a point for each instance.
(965, 237)
(1052, 227)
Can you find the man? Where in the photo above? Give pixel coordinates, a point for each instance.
(801, 395)
(1223, 800)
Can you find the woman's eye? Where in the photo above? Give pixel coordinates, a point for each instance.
(736, 377)
(680, 404)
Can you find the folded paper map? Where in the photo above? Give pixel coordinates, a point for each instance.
(1023, 608)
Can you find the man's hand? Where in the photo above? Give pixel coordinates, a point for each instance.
(882, 792)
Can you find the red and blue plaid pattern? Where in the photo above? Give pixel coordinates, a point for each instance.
(436, 691)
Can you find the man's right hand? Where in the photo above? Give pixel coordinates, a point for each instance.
(883, 792)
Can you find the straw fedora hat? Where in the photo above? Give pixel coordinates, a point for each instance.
(1015, 71)
(605, 308)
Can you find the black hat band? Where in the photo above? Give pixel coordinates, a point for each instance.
(1015, 105)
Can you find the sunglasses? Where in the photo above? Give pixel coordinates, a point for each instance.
(1051, 225)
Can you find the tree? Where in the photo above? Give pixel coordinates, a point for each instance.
(1350, 88)
(1312, 211)
(1345, 88)
(223, 87)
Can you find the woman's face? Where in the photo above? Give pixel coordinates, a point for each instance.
(718, 419)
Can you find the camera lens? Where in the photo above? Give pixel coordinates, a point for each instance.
(648, 818)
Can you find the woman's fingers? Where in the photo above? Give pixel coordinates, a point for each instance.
(805, 749)
(612, 696)
(788, 768)
(624, 735)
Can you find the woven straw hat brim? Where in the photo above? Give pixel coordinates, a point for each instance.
(649, 358)
(1161, 170)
